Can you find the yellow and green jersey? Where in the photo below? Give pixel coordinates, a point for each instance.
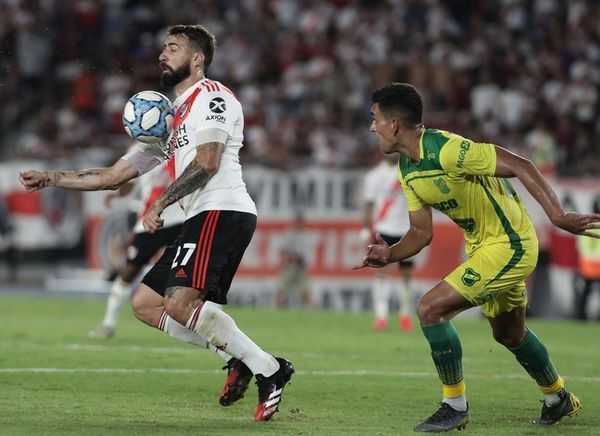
(455, 176)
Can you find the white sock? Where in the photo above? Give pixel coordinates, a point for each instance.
(119, 293)
(457, 403)
(381, 297)
(210, 322)
(405, 297)
(177, 331)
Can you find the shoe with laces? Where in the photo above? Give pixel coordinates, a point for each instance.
(444, 419)
(270, 390)
(238, 379)
(102, 332)
(568, 405)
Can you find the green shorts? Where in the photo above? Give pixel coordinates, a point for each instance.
(494, 276)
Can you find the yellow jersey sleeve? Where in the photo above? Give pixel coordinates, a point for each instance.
(413, 201)
(460, 155)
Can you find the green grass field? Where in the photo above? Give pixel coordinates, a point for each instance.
(349, 380)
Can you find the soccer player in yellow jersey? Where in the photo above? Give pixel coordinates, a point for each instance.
(468, 182)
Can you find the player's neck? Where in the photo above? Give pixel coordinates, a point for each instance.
(411, 144)
(185, 84)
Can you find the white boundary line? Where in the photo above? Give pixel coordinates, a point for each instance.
(356, 373)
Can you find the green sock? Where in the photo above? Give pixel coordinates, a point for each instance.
(533, 356)
(446, 351)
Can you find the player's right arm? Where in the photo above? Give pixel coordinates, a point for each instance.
(141, 159)
(418, 237)
(94, 179)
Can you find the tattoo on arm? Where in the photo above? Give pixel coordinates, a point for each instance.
(193, 177)
(88, 173)
(53, 180)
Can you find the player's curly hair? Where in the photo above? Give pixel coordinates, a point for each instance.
(400, 100)
(200, 37)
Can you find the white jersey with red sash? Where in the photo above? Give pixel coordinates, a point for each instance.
(382, 188)
(205, 106)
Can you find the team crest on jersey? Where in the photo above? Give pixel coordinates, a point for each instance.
(441, 185)
(217, 105)
(430, 155)
(470, 277)
(183, 110)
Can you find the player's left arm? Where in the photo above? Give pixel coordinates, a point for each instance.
(512, 165)
(194, 177)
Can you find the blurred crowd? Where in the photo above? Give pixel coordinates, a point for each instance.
(520, 73)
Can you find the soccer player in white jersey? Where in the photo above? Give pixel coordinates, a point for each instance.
(144, 246)
(385, 212)
(194, 275)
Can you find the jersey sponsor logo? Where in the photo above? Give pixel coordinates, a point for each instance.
(464, 148)
(217, 105)
(441, 185)
(178, 139)
(445, 205)
(470, 277)
(218, 118)
(181, 274)
(430, 155)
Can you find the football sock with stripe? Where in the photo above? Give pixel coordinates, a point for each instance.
(119, 293)
(177, 331)
(446, 353)
(534, 357)
(210, 322)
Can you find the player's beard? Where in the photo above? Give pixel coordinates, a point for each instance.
(170, 78)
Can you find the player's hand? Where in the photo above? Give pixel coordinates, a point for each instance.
(579, 224)
(34, 180)
(377, 255)
(152, 220)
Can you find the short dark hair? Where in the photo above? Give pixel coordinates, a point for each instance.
(200, 37)
(401, 100)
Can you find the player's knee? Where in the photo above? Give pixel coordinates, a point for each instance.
(508, 339)
(141, 310)
(428, 312)
(175, 309)
(180, 304)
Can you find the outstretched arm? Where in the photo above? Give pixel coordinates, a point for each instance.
(511, 165)
(195, 176)
(418, 237)
(95, 179)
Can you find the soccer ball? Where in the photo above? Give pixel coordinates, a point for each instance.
(148, 117)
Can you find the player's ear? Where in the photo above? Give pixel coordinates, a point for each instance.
(198, 59)
(396, 124)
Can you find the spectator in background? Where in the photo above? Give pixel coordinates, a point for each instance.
(589, 270)
(293, 286)
(312, 63)
(541, 147)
